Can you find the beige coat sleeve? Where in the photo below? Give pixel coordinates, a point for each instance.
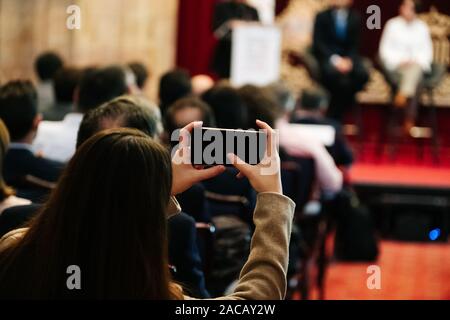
(263, 276)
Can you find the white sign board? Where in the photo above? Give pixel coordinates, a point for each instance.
(255, 55)
(325, 134)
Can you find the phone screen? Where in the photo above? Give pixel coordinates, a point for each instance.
(210, 146)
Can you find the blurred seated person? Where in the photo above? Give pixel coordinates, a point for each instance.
(46, 65)
(227, 15)
(31, 175)
(173, 85)
(260, 104)
(141, 74)
(406, 51)
(56, 140)
(65, 82)
(296, 144)
(311, 109)
(336, 42)
(7, 194)
(201, 83)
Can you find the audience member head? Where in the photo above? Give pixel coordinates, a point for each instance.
(283, 97)
(65, 83)
(185, 111)
(173, 85)
(108, 216)
(124, 112)
(342, 4)
(5, 191)
(140, 72)
(201, 83)
(260, 104)
(409, 8)
(313, 101)
(47, 64)
(18, 110)
(228, 107)
(98, 86)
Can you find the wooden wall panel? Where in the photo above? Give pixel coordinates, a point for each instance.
(112, 31)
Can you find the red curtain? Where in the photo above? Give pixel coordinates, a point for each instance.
(195, 39)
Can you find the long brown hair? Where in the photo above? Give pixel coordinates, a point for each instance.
(107, 216)
(5, 191)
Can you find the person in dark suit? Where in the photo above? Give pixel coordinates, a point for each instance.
(137, 113)
(31, 175)
(227, 15)
(336, 41)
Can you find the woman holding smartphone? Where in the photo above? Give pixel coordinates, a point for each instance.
(107, 218)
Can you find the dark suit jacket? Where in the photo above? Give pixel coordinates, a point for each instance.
(325, 40)
(183, 249)
(31, 176)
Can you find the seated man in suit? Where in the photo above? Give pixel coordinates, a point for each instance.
(32, 175)
(336, 45)
(406, 51)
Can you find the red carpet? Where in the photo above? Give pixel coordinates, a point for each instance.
(401, 174)
(408, 271)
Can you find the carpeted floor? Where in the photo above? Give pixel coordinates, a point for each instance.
(408, 271)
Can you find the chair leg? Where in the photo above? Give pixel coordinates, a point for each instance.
(434, 126)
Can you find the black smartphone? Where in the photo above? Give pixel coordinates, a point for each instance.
(210, 146)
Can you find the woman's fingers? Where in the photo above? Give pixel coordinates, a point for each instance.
(209, 173)
(238, 163)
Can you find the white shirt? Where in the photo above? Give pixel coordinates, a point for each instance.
(297, 144)
(57, 140)
(404, 41)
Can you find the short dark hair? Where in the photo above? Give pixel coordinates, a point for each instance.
(140, 72)
(47, 64)
(128, 111)
(173, 85)
(18, 107)
(312, 100)
(65, 81)
(261, 105)
(228, 107)
(191, 102)
(98, 86)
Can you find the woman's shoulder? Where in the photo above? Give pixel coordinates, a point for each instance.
(12, 237)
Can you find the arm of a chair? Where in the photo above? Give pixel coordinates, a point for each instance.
(436, 75)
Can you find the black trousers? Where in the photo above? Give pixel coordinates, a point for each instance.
(343, 87)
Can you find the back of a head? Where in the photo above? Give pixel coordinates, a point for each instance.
(260, 104)
(140, 72)
(47, 64)
(283, 96)
(173, 85)
(185, 111)
(65, 82)
(127, 111)
(18, 107)
(313, 100)
(98, 86)
(228, 107)
(107, 216)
